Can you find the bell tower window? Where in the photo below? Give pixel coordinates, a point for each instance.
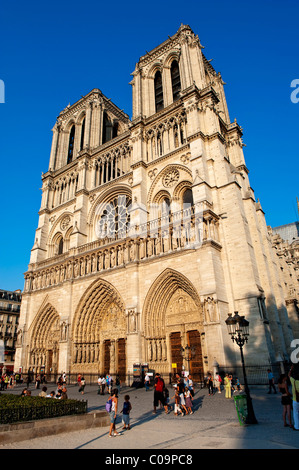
(107, 128)
(71, 145)
(82, 134)
(175, 80)
(158, 92)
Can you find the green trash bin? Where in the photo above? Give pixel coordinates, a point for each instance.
(241, 407)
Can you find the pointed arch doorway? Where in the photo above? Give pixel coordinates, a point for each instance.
(44, 344)
(173, 320)
(99, 332)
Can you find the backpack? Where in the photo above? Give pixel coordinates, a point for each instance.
(160, 385)
(108, 405)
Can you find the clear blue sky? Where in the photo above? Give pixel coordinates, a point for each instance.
(54, 52)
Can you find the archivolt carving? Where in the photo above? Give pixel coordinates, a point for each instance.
(159, 296)
(100, 309)
(45, 329)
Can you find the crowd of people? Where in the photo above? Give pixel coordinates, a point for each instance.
(60, 393)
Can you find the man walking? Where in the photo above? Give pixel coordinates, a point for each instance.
(159, 386)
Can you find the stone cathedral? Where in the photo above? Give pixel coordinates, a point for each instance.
(149, 233)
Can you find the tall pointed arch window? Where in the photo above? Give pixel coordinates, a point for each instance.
(82, 134)
(60, 246)
(175, 80)
(107, 128)
(70, 153)
(158, 92)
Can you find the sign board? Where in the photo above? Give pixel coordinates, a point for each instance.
(174, 365)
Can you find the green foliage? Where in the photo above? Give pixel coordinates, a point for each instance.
(14, 408)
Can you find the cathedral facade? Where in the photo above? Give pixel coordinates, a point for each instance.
(149, 233)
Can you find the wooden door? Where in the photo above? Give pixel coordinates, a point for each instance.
(196, 362)
(175, 345)
(121, 359)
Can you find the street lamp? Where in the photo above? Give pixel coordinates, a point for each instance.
(187, 353)
(238, 329)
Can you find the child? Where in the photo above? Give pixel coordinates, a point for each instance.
(239, 388)
(126, 412)
(166, 400)
(188, 400)
(177, 408)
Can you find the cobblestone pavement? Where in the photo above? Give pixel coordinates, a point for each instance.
(213, 425)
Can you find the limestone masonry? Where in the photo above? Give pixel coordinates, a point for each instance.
(149, 233)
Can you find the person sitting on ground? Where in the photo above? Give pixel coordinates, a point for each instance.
(43, 393)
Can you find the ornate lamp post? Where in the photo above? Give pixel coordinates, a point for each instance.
(187, 353)
(238, 329)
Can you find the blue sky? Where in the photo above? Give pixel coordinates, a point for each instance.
(51, 53)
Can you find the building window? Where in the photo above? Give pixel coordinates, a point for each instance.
(115, 130)
(158, 92)
(107, 128)
(82, 134)
(188, 199)
(115, 219)
(71, 145)
(175, 80)
(60, 246)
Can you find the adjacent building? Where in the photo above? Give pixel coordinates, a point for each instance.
(10, 303)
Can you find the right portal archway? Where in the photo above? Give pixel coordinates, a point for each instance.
(174, 326)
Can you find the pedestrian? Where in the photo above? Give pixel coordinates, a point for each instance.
(190, 385)
(51, 395)
(166, 399)
(147, 382)
(103, 385)
(210, 384)
(294, 378)
(43, 393)
(6, 381)
(227, 386)
(113, 412)
(181, 389)
(126, 412)
(83, 383)
(177, 408)
(24, 392)
(37, 381)
(232, 382)
(117, 383)
(286, 399)
(188, 400)
(79, 380)
(64, 393)
(159, 386)
(218, 381)
(238, 385)
(271, 381)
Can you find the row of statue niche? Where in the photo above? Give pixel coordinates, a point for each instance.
(152, 245)
(157, 350)
(86, 353)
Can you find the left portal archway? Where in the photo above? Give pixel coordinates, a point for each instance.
(44, 345)
(99, 332)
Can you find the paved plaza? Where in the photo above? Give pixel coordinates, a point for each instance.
(214, 424)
